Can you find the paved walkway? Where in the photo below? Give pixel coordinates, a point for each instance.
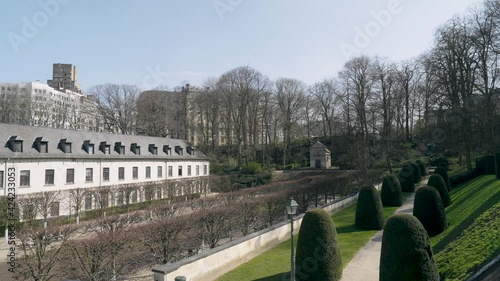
(365, 264)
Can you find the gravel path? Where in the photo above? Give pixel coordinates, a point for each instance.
(365, 264)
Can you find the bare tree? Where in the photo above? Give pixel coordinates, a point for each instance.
(76, 201)
(290, 97)
(117, 105)
(162, 238)
(41, 249)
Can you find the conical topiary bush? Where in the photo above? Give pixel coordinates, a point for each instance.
(369, 209)
(428, 208)
(318, 253)
(406, 178)
(444, 173)
(421, 166)
(438, 183)
(391, 193)
(417, 177)
(406, 251)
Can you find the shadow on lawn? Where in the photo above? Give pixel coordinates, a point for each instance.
(277, 277)
(466, 223)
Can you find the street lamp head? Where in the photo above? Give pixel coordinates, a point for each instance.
(291, 206)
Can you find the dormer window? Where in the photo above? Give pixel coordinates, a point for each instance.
(153, 149)
(190, 150)
(178, 150)
(88, 147)
(135, 149)
(119, 148)
(64, 145)
(167, 149)
(15, 143)
(41, 145)
(105, 148)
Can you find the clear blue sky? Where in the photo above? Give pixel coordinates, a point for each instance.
(124, 41)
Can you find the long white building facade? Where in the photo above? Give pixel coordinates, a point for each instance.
(106, 169)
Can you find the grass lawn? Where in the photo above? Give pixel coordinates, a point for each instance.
(273, 264)
(473, 235)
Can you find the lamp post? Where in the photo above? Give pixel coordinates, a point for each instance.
(291, 209)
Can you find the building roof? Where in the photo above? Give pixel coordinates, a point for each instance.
(320, 145)
(31, 138)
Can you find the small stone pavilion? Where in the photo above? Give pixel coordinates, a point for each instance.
(320, 156)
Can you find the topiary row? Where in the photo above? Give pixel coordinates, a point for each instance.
(406, 251)
(406, 178)
(318, 252)
(443, 173)
(369, 210)
(391, 193)
(428, 208)
(438, 183)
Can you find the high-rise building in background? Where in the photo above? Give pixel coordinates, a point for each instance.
(64, 76)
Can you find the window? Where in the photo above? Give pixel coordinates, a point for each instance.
(25, 178)
(105, 174)
(158, 193)
(89, 175)
(205, 169)
(135, 173)
(91, 149)
(160, 172)
(189, 170)
(133, 196)
(88, 201)
(119, 148)
(197, 170)
(64, 145)
(121, 173)
(148, 172)
(1, 179)
(43, 147)
(54, 209)
(49, 177)
(70, 175)
(167, 150)
(88, 147)
(153, 149)
(120, 198)
(104, 202)
(107, 149)
(135, 149)
(170, 172)
(180, 171)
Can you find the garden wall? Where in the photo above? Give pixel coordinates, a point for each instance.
(215, 262)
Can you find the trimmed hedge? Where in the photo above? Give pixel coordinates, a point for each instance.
(406, 251)
(391, 193)
(438, 183)
(465, 177)
(440, 161)
(318, 245)
(369, 209)
(443, 173)
(486, 165)
(406, 179)
(429, 210)
(421, 166)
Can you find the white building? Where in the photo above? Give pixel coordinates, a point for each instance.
(34, 160)
(38, 104)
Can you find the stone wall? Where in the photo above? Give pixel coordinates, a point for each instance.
(215, 262)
